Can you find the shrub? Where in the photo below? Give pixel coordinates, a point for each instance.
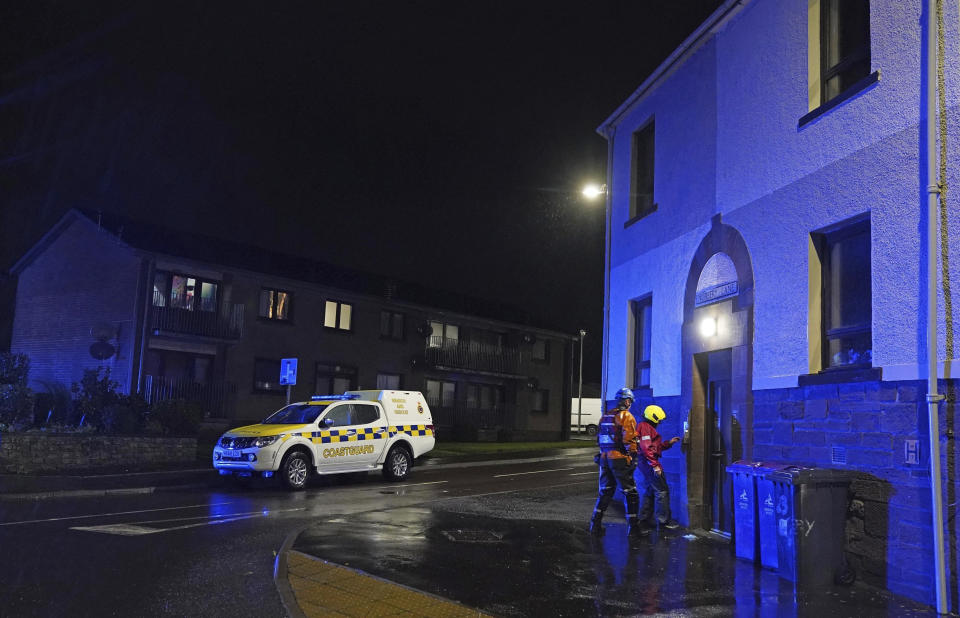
(93, 395)
(54, 404)
(128, 415)
(16, 399)
(177, 417)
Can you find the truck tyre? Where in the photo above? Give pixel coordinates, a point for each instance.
(397, 465)
(295, 470)
(591, 430)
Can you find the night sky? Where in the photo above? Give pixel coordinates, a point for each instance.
(442, 143)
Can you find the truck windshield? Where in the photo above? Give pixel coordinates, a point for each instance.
(295, 413)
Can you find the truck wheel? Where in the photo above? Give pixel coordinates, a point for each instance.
(398, 464)
(295, 470)
(591, 430)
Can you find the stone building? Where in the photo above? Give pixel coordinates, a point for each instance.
(177, 315)
(766, 264)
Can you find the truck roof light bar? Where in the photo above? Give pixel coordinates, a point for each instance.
(335, 397)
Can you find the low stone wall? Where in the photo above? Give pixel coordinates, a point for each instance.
(30, 453)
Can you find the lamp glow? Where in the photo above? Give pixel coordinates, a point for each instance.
(708, 327)
(592, 191)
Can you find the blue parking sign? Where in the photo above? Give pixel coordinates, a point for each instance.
(288, 372)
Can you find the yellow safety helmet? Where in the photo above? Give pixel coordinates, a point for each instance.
(654, 414)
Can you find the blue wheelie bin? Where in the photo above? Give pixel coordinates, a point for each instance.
(742, 475)
(810, 506)
(766, 513)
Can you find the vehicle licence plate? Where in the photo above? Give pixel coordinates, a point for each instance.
(231, 452)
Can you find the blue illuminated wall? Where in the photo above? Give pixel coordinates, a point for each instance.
(730, 143)
(76, 279)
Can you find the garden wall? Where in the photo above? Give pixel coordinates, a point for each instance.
(30, 453)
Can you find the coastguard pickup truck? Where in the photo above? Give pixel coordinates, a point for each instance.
(331, 434)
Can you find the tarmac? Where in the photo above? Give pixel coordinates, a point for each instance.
(466, 563)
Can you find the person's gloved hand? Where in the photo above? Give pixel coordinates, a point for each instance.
(658, 471)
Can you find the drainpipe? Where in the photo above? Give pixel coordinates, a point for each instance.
(933, 397)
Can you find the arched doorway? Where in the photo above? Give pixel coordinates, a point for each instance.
(716, 378)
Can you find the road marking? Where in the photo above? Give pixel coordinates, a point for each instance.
(581, 473)
(414, 484)
(169, 508)
(496, 476)
(138, 529)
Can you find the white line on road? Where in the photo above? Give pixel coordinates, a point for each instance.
(582, 473)
(496, 476)
(169, 508)
(138, 529)
(413, 484)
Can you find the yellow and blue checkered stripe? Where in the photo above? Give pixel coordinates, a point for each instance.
(329, 436)
(411, 430)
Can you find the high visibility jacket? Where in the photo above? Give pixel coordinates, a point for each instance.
(617, 435)
(651, 444)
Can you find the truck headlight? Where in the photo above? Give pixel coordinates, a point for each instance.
(265, 441)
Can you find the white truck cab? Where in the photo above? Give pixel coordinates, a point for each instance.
(331, 434)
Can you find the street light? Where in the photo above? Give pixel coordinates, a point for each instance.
(583, 334)
(593, 191)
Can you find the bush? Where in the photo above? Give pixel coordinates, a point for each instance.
(54, 404)
(94, 395)
(16, 399)
(176, 417)
(128, 415)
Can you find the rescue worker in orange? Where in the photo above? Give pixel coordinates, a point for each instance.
(619, 451)
(656, 490)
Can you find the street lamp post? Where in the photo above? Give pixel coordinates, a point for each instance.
(583, 334)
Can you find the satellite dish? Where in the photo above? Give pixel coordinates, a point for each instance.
(101, 350)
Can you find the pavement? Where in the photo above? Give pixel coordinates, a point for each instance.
(480, 556)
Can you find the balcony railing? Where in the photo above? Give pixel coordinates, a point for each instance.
(215, 398)
(470, 355)
(225, 325)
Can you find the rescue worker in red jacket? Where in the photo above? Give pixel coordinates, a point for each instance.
(617, 439)
(656, 490)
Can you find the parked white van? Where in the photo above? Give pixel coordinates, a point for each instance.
(331, 434)
(589, 415)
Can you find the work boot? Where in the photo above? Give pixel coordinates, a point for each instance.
(635, 530)
(596, 528)
(670, 524)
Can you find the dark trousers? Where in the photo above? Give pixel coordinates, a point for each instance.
(615, 472)
(656, 493)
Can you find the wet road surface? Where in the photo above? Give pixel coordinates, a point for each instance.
(507, 539)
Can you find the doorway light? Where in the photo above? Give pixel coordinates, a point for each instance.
(708, 327)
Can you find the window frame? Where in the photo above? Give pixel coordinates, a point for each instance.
(545, 401)
(338, 315)
(545, 359)
(197, 299)
(440, 404)
(828, 72)
(336, 370)
(641, 340)
(640, 210)
(824, 241)
(398, 376)
(273, 305)
(392, 335)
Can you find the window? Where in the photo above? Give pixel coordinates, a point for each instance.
(541, 399)
(275, 304)
(484, 396)
(441, 393)
(641, 182)
(844, 45)
(541, 350)
(388, 381)
(444, 335)
(335, 379)
(266, 375)
(337, 315)
(391, 325)
(338, 416)
(846, 296)
(641, 342)
(181, 291)
(352, 414)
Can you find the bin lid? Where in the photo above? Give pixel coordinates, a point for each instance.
(743, 466)
(764, 467)
(797, 475)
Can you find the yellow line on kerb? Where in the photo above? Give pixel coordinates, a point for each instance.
(326, 589)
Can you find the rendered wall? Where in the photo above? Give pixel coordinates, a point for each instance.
(84, 278)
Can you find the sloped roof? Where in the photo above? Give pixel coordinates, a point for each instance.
(212, 250)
